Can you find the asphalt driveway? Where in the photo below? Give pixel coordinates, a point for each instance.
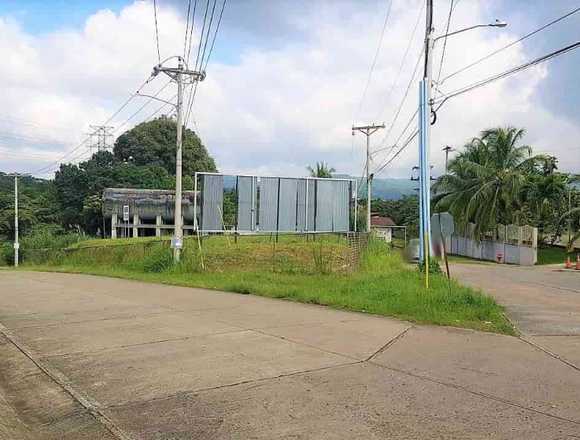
(85, 357)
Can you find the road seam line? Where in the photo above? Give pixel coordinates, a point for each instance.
(476, 393)
(90, 405)
(549, 353)
(388, 344)
(233, 384)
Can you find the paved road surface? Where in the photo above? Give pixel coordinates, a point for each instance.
(543, 301)
(85, 357)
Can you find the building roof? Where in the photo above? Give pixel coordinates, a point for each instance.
(381, 221)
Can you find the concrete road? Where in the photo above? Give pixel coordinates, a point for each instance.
(542, 301)
(85, 357)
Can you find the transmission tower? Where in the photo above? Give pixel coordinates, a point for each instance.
(100, 137)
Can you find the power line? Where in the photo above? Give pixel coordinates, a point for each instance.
(507, 73)
(403, 60)
(186, 28)
(374, 62)
(201, 34)
(194, 90)
(485, 82)
(445, 41)
(82, 143)
(392, 147)
(215, 34)
(400, 107)
(399, 151)
(507, 46)
(156, 31)
(191, 31)
(208, 32)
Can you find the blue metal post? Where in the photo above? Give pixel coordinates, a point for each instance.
(424, 173)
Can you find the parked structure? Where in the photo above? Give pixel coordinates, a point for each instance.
(144, 212)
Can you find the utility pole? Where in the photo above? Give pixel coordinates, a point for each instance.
(178, 74)
(16, 228)
(447, 149)
(16, 243)
(368, 130)
(424, 132)
(570, 217)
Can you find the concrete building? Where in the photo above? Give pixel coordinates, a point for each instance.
(144, 212)
(382, 226)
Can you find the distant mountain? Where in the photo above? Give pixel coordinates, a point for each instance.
(386, 189)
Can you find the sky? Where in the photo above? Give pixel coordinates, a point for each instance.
(286, 79)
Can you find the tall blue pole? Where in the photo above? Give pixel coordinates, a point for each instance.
(424, 173)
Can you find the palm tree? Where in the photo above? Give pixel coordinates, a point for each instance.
(486, 179)
(321, 169)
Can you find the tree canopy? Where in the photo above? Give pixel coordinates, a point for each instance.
(497, 179)
(321, 169)
(153, 143)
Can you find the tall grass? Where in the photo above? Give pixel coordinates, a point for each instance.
(297, 269)
(41, 245)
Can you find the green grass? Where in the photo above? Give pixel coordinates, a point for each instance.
(295, 269)
(554, 255)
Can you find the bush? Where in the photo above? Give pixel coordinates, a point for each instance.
(37, 246)
(158, 259)
(433, 266)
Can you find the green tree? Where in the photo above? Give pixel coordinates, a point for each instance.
(321, 169)
(152, 143)
(486, 179)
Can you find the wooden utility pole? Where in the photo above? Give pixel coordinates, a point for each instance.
(368, 130)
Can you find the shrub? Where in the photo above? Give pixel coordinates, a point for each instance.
(158, 259)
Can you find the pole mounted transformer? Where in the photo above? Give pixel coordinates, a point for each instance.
(181, 75)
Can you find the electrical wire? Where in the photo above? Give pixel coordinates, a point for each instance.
(399, 151)
(208, 32)
(194, 91)
(445, 41)
(186, 29)
(403, 60)
(482, 83)
(507, 46)
(374, 62)
(57, 162)
(191, 31)
(201, 34)
(507, 73)
(405, 96)
(215, 34)
(156, 30)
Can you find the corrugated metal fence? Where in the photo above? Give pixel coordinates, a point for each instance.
(250, 204)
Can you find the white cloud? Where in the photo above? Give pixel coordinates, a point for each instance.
(274, 110)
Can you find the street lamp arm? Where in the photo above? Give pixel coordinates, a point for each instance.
(496, 24)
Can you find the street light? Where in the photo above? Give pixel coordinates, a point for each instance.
(496, 23)
(425, 104)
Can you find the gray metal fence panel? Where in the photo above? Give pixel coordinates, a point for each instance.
(247, 200)
(341, 207)
(213, 198)
(301, 205)
(287, 208)
(325, 206)
(311, 186)
(268, 204)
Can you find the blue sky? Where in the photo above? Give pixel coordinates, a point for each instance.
(285, 76)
